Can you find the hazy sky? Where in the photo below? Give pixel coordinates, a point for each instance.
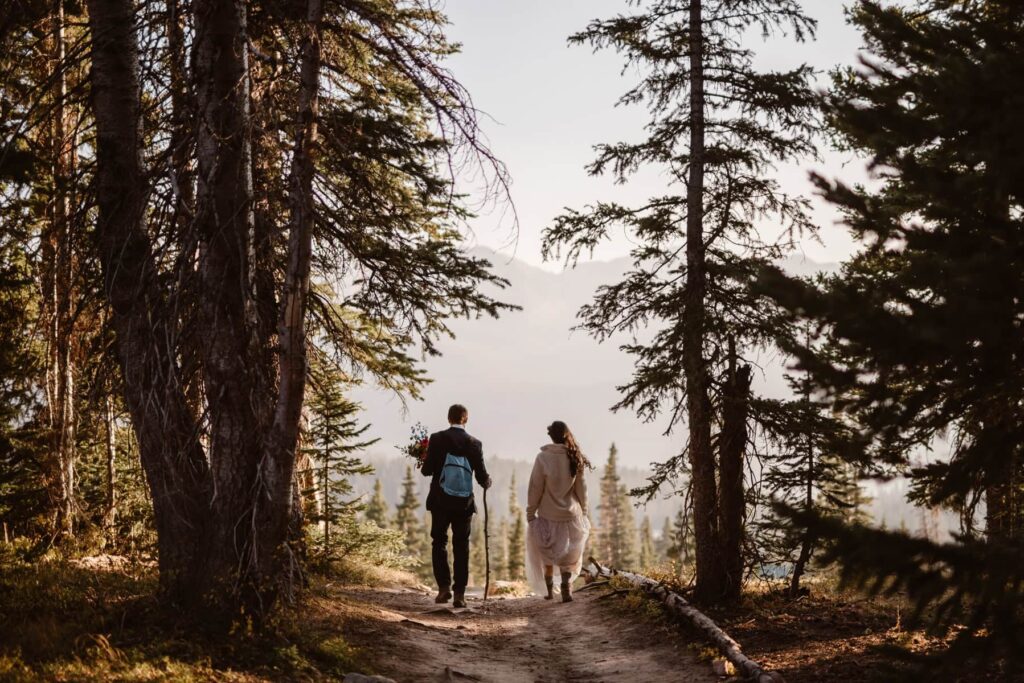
(550, 103)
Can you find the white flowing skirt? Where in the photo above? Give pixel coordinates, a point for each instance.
(557, 544)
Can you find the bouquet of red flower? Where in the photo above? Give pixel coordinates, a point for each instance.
(418, 443)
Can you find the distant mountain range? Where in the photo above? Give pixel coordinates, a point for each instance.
(518, 373)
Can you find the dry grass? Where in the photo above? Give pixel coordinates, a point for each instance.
(825, 634)
(75, 621)
(828, 634)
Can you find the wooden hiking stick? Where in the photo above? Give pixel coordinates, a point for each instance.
(487, 550)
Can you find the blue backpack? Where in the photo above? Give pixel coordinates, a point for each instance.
(457, 476)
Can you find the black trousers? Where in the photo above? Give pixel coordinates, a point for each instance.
(440, 520)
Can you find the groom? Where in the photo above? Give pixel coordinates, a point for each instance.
(453, 456)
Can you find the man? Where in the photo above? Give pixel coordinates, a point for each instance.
(452, 457)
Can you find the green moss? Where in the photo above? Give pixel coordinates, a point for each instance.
(339, 653)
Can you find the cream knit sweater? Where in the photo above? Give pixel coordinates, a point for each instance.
(554, 494)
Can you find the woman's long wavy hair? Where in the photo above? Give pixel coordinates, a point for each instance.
(559, 433)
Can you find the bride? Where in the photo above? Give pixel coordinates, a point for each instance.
(556, 512)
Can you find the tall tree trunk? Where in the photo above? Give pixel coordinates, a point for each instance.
(110, 515)
(278, 468)
(58, 267)
(305, 475)
(174, 463)
(997, 435)
(252, 444)
(183, 182)
(182, 118)
(806, 541)
(326, 478)
(222, 522)
(268, 168)
(1003, 490)
(224, 227)
(710, 583)
(732, 447)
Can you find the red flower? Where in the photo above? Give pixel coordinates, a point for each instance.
(418, 444)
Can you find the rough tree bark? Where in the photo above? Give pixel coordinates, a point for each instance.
(182, 176)
(174, 463)
(222, 514)
(253, 428)
(698, 405)
(183, 184)
(732, 447)
(235, 403)
(278, 471)
(58, 284)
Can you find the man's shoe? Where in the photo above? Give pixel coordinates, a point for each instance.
(460, 599)
(443, 596)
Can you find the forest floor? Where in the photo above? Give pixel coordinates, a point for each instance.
(99, 620)
(828, 634)
(512, 639)
(75, 621)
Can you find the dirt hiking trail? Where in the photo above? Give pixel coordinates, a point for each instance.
(409, 638)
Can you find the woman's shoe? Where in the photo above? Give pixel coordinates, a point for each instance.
(566, 590)
(550, 583)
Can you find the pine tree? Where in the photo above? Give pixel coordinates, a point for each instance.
(377, 508)
(22, 500)
(680, 551)
(717, 126)
(517, 537)
(626, 545)
(192, 268)
(804, 471)
(333, 437)
(477, 555)
(922, 325)
(409, 523)
(900, 313)
(664, 541)
(216, 247)
(648, 556)
(500, 566)
(608, 509)
(847, 492)
(426, 570)
(616, 535)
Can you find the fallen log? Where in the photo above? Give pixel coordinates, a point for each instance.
(678, 605)
(592, 584)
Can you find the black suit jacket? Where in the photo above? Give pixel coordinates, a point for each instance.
(457, 442)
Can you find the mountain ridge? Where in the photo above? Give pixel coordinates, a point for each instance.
(519, 372)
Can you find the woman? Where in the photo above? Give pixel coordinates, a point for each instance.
(556, 511)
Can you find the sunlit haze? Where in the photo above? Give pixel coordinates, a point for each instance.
(547, 104)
